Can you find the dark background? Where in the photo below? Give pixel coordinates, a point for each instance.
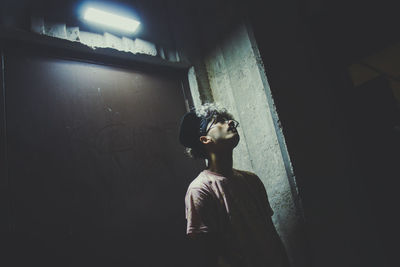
(341, 137)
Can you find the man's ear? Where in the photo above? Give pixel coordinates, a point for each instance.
(205, 139)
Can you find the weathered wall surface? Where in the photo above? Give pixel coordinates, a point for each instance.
(227, 69)
(304, 48)
(345, 225)
(237, 82)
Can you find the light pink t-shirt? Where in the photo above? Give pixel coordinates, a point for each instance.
(237, 211)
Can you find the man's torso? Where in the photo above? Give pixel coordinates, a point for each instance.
(237, 210)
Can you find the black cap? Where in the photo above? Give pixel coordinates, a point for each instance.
(192, 127)
(189, 130)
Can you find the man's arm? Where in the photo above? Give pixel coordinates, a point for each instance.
(201, 216)
(203, 250)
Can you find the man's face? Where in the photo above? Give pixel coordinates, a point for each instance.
(223, 132)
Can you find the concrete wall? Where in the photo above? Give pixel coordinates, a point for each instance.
(238, 81)
(303, 49)
(311, 93)
(227, 69)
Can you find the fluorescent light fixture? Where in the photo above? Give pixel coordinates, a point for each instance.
(111, 20)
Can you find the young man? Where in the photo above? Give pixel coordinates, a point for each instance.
(227, 210)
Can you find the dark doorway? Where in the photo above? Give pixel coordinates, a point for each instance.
(96, 174)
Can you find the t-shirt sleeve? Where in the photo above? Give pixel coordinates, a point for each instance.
(200, 211)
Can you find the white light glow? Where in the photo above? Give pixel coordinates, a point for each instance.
(111, 20)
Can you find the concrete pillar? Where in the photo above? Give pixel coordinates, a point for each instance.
(228, 69)
(238, 81)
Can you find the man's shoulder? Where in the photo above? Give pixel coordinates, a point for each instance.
(250, 177)
(201, 181)
(201, 187)
(247, 173)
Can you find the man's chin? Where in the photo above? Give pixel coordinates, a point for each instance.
(230, 140)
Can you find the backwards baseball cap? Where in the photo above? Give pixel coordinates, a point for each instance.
(191, 128)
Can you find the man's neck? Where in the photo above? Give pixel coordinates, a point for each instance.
(221, 163)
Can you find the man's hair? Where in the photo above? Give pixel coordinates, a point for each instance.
(207, 110)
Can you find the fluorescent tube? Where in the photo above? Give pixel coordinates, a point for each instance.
(111, 20)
